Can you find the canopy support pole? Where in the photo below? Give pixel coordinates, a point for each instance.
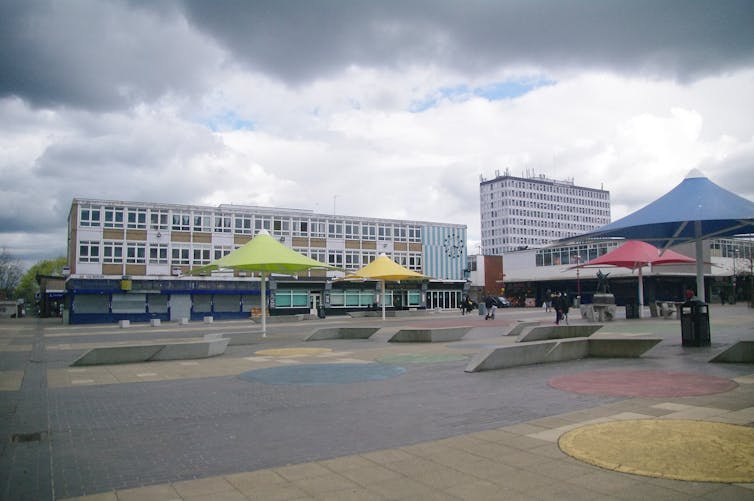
(699, 261)
(264, 304)
(383, 300)
(641, 293)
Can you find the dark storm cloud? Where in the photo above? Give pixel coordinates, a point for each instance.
(301, 40)
(97, 55)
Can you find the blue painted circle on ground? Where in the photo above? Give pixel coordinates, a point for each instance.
(313, 374)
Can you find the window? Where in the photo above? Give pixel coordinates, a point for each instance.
(89, 216)
(243, 225)
(384, 232)
(353, 231)
(158, 220)
(281, 226)
(414, 234)
(180, 254)
(335, 258)
(291, 298)
(318, 255)
(88, 252)
(300, 228)
(181, 222)
(137, 219)
(317, 229)
(262, 223)
(219, 251)
(202, 222)
(335, 230)
(400, 234)
(201, 255)
(226, 303)
(353, 298)
(352, 261)
(113, 217)
(369, 232)
(136, 252)
(158, 254)
(112, 252)
(223, 223)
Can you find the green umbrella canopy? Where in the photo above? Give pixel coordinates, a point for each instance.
(265, 254)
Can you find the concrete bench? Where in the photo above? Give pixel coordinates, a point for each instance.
(521, 325)
(538, 352)
(342, 333)
(621, 347)
(126, 354)
(429, 335)
(741, 352)
(543, 332)
(236, 338)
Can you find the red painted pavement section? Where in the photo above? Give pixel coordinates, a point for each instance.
(642, 384)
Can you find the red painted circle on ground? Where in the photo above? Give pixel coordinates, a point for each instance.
(642, 384)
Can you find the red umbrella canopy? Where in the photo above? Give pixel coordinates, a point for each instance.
(635, 254)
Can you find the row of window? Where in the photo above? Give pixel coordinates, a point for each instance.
(207, 221)
(568, 189)
(187, 254)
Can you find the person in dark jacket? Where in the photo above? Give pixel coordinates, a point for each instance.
(491, 304)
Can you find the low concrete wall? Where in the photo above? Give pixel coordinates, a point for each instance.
(540, 333)
(236, 338)
(621, 347)
(342, 333)
(740, 353)
(521, 325)
(537, 352)
(107, 355)
(430, 335)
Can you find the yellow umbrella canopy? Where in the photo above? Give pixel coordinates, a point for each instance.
(266, 255)
(383, 268)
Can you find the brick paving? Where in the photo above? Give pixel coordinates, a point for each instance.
(196, 430)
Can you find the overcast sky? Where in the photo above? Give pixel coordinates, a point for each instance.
(380, 108)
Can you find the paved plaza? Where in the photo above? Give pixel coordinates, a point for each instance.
(286, 418)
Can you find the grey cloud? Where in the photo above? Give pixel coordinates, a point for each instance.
(98, 55)
(301, 40)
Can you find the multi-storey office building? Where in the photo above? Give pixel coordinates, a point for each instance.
(532, 212)
(129, 260)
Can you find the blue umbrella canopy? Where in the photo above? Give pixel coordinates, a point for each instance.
(695, 210)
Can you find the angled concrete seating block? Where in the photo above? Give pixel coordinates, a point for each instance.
(192, 349)
(124, 324)
(155, 322)
(510, 356)
(521, 325)
(429, 335)
(128, 354)
(543, 332)
(568, 349)
(237, 338)
(106, 355)
(621, 347)
(342, 333)
(741, 352)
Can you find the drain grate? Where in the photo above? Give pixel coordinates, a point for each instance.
(37, 436)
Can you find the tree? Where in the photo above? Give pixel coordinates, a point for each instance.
(10, 274)
(28, 286)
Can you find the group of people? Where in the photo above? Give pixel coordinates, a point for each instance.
(558, 302)
(490, 302)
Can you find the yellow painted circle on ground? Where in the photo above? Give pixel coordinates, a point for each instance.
(699, 451)
(292, 352)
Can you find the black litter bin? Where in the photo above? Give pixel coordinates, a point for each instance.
(632, 308)
(321, 312)
(695, 323)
